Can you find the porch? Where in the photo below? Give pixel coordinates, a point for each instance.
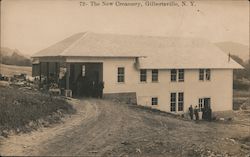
(77, 79)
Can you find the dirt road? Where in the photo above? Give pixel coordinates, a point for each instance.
(105, 128)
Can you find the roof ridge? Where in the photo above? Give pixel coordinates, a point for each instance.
(74, 43)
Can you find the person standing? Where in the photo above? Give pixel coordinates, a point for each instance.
(100, 89)
(196, 113)
(203, 110)
(191, 112)
(209, 113)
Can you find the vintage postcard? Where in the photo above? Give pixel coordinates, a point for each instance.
(123, 78)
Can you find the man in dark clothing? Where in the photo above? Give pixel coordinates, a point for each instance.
(100, 89)
(93, 89)
(204, 113)
(191, 112)
(196, 113)
(209, 114)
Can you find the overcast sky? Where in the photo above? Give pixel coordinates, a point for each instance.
(31, 25)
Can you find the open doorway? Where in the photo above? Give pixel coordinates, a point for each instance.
(86, 79)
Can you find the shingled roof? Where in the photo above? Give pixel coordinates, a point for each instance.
(158, 52)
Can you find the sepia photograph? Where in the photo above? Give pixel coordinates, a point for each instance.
(125, 78)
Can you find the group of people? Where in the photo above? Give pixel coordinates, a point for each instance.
(206, 113)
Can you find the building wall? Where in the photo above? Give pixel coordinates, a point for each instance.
(219, 88)
(110, 75)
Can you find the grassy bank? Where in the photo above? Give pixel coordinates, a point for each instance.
(25, 110)
(10, 70)
(241, 97)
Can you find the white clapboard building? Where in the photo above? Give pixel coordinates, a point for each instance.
(166, 73)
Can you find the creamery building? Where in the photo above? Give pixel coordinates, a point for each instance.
(166, 73)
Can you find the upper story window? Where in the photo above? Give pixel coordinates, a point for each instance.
(201, 74)
(143, 75)
(208, 73)
(154, 75)
(181, 75)
(173, 75)
(177, 73)
(204, 74)
(121, 74)
(154, 101)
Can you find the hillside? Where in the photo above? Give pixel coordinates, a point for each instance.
(23, 110)
(14, 57)
(10, 70)
(235, 49)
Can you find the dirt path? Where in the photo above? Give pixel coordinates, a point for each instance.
(105, 128)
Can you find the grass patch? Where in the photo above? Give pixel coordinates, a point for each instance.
(24, 110)
(240, 98)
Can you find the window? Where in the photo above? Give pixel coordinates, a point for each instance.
(83, 70)
(173, 102)
(121, 74)
(204, 74)
(173, 75)
(181, 75)
(201, 105)
(207, 74)
(201, 74)
(174, 99)
(154, 101)
(180, 101)
(204, 102)
(155, 75)
(143, 75)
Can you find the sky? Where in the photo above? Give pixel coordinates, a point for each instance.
(32, 25)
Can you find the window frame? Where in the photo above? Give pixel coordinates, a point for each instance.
(173, 74)
(143, 76)
(121, 75)
(177, 103)
(208, 74)
(201, 102)
(204, 74)
(181, 101)
(177, 75)
(181, 72)
(154, 101)
(201, 74)
(83, 70)
(155, 75)
(173, 102)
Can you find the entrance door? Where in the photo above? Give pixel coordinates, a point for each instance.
(91, 78)
(207, 102)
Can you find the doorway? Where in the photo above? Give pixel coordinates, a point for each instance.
(207, 102)
(87, 79)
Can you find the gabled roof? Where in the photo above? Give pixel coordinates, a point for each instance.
(92, 45)
(159, 52)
